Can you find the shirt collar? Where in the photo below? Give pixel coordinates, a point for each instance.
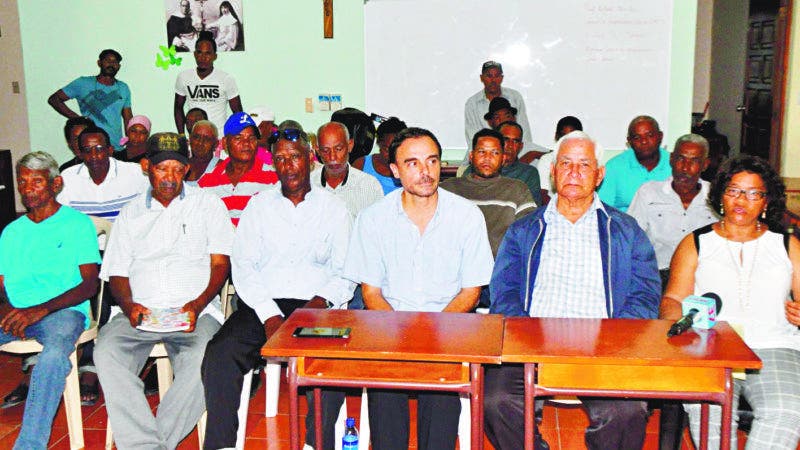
(551, 212)
(148, 199)
(634, 164)
(112, 169)
(324, 182)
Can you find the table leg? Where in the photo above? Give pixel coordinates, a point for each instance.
(727, 411)
(294, 425)
(476, 405)
(530, 412)
(704, 418)
(318, 417)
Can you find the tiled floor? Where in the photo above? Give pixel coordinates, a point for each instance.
(562, 426)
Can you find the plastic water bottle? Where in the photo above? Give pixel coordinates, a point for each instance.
(350, 438)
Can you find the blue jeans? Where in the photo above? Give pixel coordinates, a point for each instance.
(57, 333)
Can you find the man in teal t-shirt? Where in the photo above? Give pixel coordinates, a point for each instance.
(644, 161)
(102, 98)
(48, 270)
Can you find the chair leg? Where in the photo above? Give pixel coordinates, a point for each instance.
(109, 436)
(363, 429)
(465, 424)
(244, 405)
(338, 427)
(201, 429)
(164, 368)
(72, 405)
(273, 380)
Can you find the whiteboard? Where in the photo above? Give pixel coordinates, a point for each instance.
(604, 61)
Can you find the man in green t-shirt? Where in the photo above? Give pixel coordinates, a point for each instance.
(48, 270)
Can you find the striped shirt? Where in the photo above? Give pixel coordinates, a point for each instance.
(569, 282)
(358, 189)
(501, 200)
(259, 177)
(123, 182)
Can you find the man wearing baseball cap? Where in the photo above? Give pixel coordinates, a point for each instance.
(477, 106)
(170, 249)
(239, 177)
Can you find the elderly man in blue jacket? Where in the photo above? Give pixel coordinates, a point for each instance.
(576, 257)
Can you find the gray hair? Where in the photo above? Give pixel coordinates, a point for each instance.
(39, 161)
(206, 123)
(643, 118)
(341, 126)
(578, 135)
(692, 138)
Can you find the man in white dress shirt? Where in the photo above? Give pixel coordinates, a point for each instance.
(169, 249)
(289, 253)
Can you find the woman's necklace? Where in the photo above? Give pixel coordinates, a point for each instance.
(743, 279)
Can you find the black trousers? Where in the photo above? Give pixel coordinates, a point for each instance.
(437, 419)
(231, 353)
(613, 424)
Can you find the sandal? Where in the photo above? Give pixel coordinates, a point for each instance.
(17, 396)
(91, 392)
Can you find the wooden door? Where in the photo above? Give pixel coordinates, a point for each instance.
(765, 79)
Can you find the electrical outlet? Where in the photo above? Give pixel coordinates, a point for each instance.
(309, 105)
(15, 87)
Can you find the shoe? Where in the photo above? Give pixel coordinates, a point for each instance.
(539, 443)
(91, 391)
(17, 396)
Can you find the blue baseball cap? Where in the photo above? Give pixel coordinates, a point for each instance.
(238, 122)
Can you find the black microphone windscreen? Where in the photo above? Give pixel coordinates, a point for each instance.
(716, 298)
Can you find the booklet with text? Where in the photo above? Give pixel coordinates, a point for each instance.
(164, 320)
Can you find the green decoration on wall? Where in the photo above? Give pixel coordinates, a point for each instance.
(170, 58)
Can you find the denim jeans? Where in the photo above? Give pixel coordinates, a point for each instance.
(57, 333)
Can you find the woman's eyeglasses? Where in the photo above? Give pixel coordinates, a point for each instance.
(750, 194)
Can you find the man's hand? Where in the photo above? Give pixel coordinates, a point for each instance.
(271, 325)
(16, 320)
(793, 312)
(316, 302)
(135, 313)
(194, 308)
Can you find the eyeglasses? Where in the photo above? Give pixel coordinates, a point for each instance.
(750, 194)
(290, 134)
(96, 148)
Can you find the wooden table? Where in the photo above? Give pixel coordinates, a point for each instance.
(389, 350)
(626, 358)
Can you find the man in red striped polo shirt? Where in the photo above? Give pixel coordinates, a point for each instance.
(242, 175)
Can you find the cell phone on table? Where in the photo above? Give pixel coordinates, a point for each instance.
(321, 332)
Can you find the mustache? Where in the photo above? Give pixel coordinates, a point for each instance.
(426, 179)
(167, 185)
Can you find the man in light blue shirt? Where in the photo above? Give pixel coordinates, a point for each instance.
(103, 98)
(48, 270)
(418, 249)
(644, 161)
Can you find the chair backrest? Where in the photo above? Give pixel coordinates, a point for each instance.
(103, 227)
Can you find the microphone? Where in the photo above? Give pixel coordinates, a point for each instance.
(698, 311)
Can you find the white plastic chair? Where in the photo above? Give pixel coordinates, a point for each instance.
(165, 375)
(72, 393)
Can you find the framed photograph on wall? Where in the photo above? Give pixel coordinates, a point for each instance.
(187, 18)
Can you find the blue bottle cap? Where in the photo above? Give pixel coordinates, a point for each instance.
(350, 422)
